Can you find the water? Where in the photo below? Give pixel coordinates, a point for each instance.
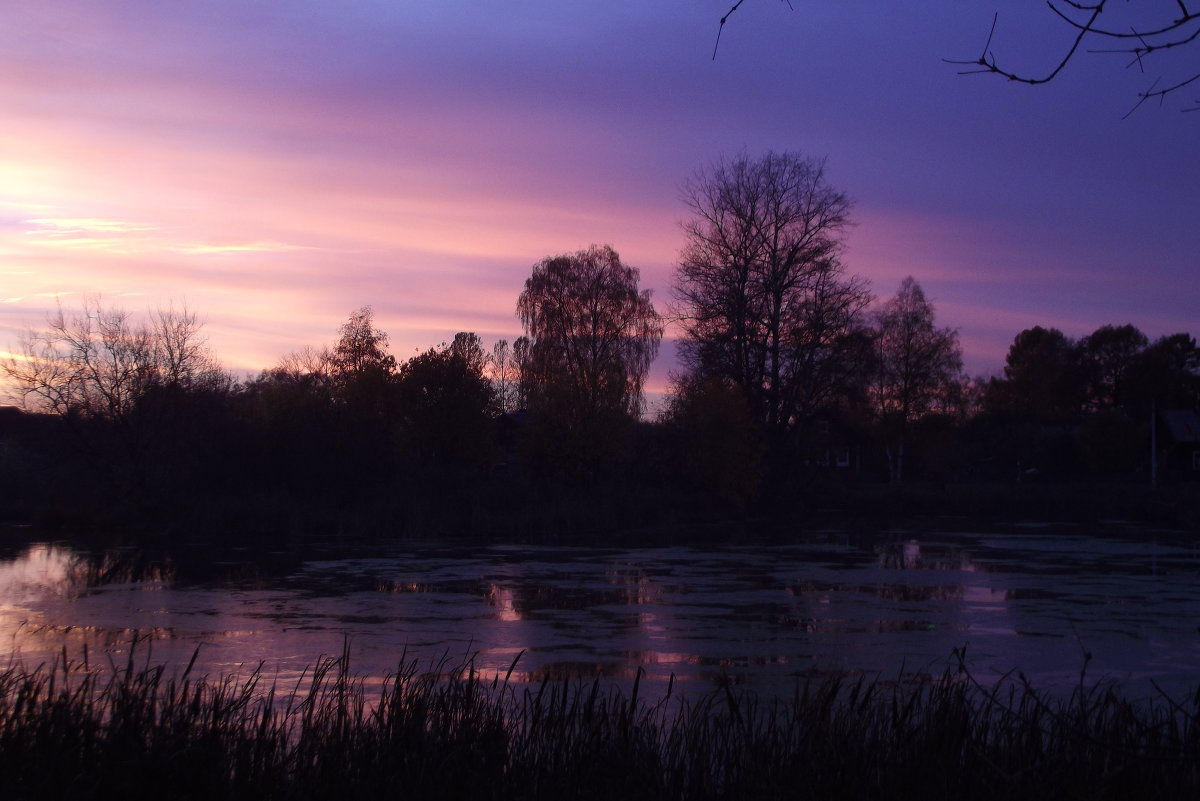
(1040, 601)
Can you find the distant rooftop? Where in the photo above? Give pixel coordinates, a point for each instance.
(1184, 425)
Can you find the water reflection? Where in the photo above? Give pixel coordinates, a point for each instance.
(42, 584)
(504, 602)
(762, 615)
(909, 555)
(40, 569)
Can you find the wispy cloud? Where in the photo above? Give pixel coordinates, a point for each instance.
(285, 167)
(124, 237)
(203, 249)
(89, 233)
(73, 225)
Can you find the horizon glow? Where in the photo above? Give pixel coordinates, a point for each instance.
(276, 168)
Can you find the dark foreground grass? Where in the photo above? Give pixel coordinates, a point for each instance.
(70, 730)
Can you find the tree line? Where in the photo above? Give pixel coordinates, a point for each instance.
(792, 373)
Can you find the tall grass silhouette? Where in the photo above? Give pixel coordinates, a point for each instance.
(74, 729)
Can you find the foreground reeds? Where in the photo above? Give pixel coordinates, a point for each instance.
(71, 730)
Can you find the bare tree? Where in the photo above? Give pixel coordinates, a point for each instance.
(761, 294)
(362, 347)
(92, 364)
(506, 376)
(308, 361)
(115, 380)
(919, 367)
(525, 373)
(469, 347)
(99, 362)
(363, 371)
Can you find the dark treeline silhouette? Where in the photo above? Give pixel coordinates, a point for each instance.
(800, 392)
(348, 438)
(1093, 406)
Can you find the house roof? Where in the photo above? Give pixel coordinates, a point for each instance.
(1182, 424)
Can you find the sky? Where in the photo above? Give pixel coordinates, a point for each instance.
(274, 166)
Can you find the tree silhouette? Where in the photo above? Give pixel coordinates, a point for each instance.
(1043, 378)
(447, 407)
(120, 384)
(362, 348)
(592, 336)
(918, 367)
(505, 364)
(1164, 375)
(361, 368)
(717, 445)
(592, 332)
(762, 297)
(1107, 356)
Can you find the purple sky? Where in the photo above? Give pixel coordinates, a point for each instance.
(277, 165)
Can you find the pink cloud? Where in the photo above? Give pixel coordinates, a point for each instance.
(280, 166)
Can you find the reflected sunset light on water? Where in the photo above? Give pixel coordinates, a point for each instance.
(758, 616)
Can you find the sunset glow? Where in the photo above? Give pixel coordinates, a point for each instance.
(276, 167)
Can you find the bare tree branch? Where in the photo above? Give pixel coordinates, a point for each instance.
(1162, 93)
(724, 19)
(987, 60)
(1154, 31)
(1150, 38)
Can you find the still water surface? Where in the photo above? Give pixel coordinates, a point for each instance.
(891, 605)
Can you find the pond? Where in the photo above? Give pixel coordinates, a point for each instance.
(1041, 601)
